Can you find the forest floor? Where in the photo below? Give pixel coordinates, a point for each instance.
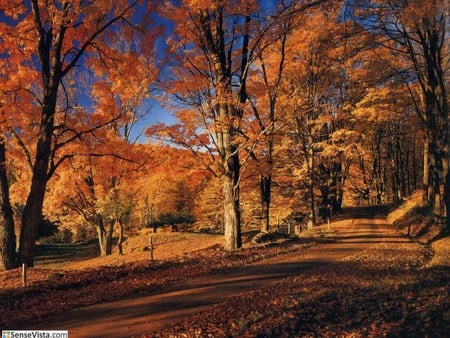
(361, 278)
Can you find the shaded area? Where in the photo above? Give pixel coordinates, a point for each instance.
(343, 299)
(63, 252)
(352, 285)
(366, 211)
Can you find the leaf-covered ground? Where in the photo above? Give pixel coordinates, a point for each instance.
(54, 290)
(385, 291)
(391, 289)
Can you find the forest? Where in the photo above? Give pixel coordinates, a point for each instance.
(261, 112)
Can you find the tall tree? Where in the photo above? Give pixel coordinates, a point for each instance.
(49, 41)
(7, 234)
(311, 77)
(417, 31)
(263, 91)
(211, 48)
(215, 49)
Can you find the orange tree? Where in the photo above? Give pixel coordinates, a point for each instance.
(311, 107)
(417, 32)
(47, 43)
(210, 51)
(213, 49)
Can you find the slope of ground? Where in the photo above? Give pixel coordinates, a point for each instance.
(413, 219)
(135, 249)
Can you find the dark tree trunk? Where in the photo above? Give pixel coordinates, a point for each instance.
(426, 191)
(231, 203)
(447, 201)
(265, 185)
(435, 179)
(32, 213)
(121, 237)
(49, 51)
(7, 235)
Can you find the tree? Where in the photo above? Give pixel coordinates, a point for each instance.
(388, 128)
(48, 42)
(103, 198)
(7, 234)
(306, 104)
(107, 159)
(418, 32)
(213, 54)
(263, 89)
(210, 50)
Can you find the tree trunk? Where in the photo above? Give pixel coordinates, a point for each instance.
(51, 77)
(228, 114)
(32, 213)
(105, 238)
(446, 179)
(231, 204)
(312, 197)
(102, 239)
(121, 238)
(447, 200)
(436, 171)
(7, 235)
(426, 172)
(265, 185)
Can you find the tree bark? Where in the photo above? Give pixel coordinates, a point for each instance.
(231, 207)
(7, 234)
(265, 186)
(447, 200)
(121, 237)
(32, 214)
(435, 178)
(426, 197)
(312, 196)
(105, 238)
(227, 120)
(49, 51)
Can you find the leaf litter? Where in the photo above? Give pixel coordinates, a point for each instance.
(388, 290)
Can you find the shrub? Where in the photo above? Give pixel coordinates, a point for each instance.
(171, 219)
(47, 228)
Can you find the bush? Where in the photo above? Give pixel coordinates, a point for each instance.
(47, 228)
(64, 236)
(171, 219)
(422, 210)
(268, 237)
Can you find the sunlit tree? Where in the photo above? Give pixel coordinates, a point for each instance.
(49, 43)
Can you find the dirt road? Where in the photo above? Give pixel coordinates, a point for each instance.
(153, 312)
